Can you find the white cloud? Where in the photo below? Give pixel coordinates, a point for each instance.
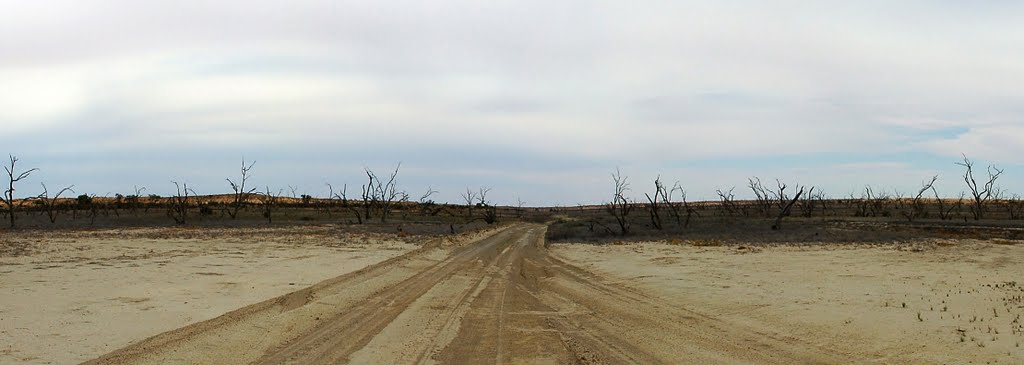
(1000, 143)
(652, 83)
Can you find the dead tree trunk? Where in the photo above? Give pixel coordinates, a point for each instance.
(980, 195)
(469, 197)
(786, 209)
(269, 202)
(345, 204)
(240, 196)
(652, 207)
(762, 196)
(727, 202)
(50, 203)
(178, 206)
(13, 177)
(620, 206)
(490, 215)
(917, 204)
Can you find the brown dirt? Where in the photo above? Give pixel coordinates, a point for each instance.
(951, 301)
(501, 298)
(70, 296)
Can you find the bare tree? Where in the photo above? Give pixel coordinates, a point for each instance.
(325, 205)
(917, 203)
(179, 203)
(980, 195)
(384, 194)
(490, 211)
(652, 203)
(947, 213)
(727, 201)
(241, 195)
(674, 207)
(519, 207)
(810, 202)
(369, 194)
(14, 177)
(873, 203)
(785, 209)
(762, 195)
(134, 200)
(425, 198)
(1014, 207)
(50, 203)
(426, 205)
(268, 201)
(620, 206)
(345, 202)
(469, 197)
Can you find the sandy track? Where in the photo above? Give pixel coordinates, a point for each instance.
(500, 299)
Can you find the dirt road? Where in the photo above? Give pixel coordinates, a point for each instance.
(501, 299)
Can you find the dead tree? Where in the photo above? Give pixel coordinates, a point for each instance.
(469, 197)
(427, 206)
(785, 210)
(652, 203)
(179, 203)
(727, 201)
(620, 206)
(268, 202)
(240, 196)
(822, 201)
(14, 177)
(811, 202)
(673, 206)
(917, 203)
(873, 204)
(323, 205)
(369, 194)
(425, 198)
(762, 195)
(345, 204)
(50, 203)
(385, 194)
(519, 207)
(944, 212)
(133, 200)
(980, 195)
(1015, 207)
(490, 215)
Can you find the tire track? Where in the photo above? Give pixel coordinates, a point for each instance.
(499, 299)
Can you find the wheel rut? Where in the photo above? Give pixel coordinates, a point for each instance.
(501, 299)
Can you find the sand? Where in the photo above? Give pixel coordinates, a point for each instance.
(495, 298)
(933, 302)
(76, 296)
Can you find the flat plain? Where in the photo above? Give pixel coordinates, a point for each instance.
(513, 293)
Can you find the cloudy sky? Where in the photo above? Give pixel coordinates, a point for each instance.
(539, 100)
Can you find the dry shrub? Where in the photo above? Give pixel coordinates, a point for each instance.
(706, 243)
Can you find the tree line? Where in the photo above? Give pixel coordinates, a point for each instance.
(379, 196)
(376, 200)
(780, 200)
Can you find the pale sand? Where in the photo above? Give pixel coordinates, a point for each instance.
(80, 296)
(969, 294)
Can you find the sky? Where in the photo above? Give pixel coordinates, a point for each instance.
(539, 101)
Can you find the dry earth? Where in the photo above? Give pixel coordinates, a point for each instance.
(504, 297)
(70, 297)
(498, 299)
(934, 302)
